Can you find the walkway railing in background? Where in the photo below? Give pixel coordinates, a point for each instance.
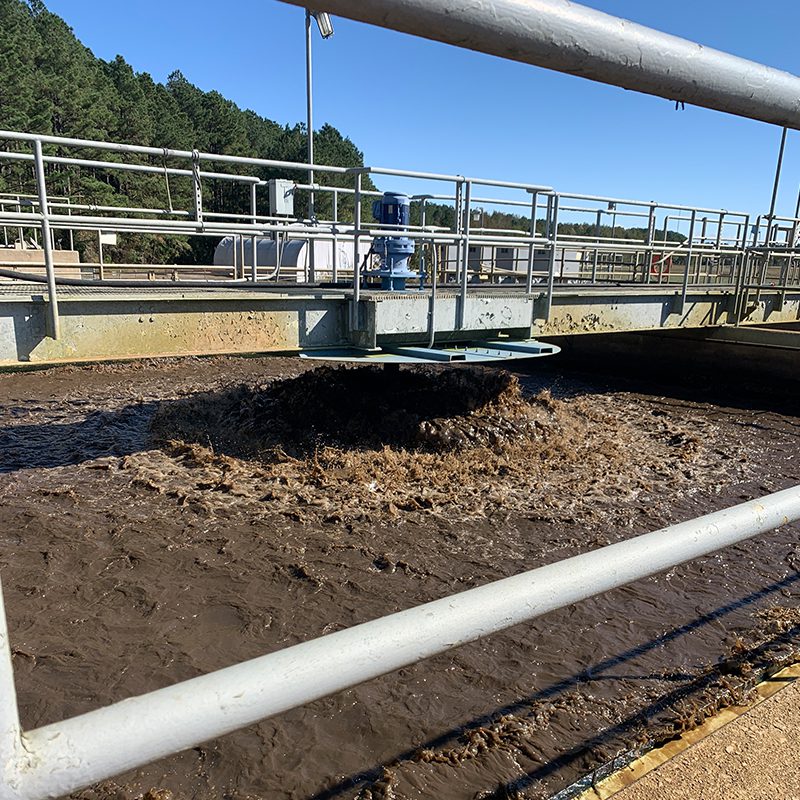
(679, 248)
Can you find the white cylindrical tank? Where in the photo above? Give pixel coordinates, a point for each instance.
(294, 259)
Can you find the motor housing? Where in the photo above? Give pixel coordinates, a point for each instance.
(393, 210)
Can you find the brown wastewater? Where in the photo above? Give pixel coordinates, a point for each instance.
(162, 519)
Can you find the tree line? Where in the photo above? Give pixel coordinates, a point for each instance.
(439, 215)
(50, 83)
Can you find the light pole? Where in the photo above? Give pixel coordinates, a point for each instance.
(323, 21)
(776, 186)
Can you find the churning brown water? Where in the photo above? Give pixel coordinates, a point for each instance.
(163, 519)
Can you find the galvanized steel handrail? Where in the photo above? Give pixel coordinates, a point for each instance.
(716, 234)
(65, 756)
(166, 152)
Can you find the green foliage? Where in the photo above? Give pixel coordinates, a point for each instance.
(439, 215)
(51, 84)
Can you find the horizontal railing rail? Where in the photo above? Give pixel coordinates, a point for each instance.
(541, 241)
(65, 756)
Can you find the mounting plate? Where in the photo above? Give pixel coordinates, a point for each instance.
(496, 350)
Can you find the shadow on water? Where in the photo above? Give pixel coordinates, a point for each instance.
(693, 684)
(718, 384)
(632, 725)
(356, 408)
(364, 408)
(56, 444)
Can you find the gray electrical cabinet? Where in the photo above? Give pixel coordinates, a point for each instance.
(281, 197)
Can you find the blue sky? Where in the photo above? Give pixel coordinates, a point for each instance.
(455, 111)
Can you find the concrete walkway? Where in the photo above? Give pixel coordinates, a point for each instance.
(735, 756)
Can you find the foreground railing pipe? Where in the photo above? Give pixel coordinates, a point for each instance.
(65, 756)
(10, 731)
(571, 38)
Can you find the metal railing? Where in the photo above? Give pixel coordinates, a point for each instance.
(546, 240)
(65, 756)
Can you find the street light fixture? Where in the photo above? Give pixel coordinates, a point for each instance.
(325, 26)
(323, 23)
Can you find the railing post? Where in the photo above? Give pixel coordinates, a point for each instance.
(532, 246)
(71, 232)
(458, 219)
(432, 296)
(720, 223)
(765, 256)
(462, 306)
(664, 255)
(22, 229)
(423, 261)
(335, 239)
(47, 241)
(356, 254)
(745, 262)
(197, 186)
(10, 731)
(553, 235)
(648, 253)
(741, 265)
(598, 231)
(100, 257)
(254, 240)
(685, 290)
(718, 247)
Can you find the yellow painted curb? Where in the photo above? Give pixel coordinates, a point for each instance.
(609, 786)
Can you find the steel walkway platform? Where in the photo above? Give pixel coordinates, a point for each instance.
(105, 322)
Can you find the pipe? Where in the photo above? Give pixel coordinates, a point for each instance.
(432, 302)
(10, 731)
(117, 165)
(31, 277)
(166, 152)
(54, 323)
(65, 756)
(571, 38)
(777, 181)
(309, 116)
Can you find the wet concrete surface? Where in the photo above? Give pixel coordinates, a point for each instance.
(131, 561)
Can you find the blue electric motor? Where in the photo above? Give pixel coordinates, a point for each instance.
(394, 210)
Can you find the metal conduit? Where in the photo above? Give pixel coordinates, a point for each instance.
(131, 283)
(568, 37)
(68, 755)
